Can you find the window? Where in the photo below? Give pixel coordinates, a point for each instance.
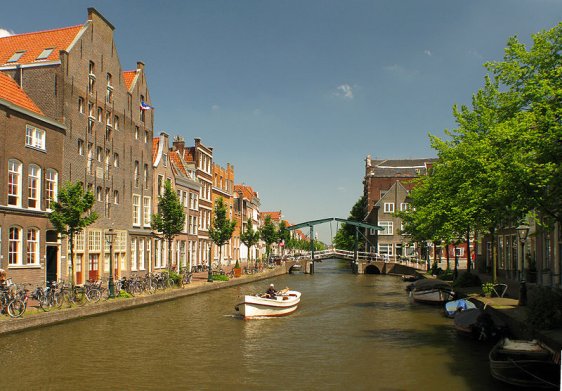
(141, 254)
(14, 183)
(81, 105)
(137, 168)
(108, 119)
(91, 78)
(160, 185)
(142, 115)
(116, 122)
(116, 197)
(405, 206)
(136, 132)
(51, 186)
(165, 159)
(90, 158)
(32, 246)
(99, 154)
(100, 114)
(146, 211)
(14, 246)
(99, 194)
(389, 207)
(134, 254)
(145, 176)
(33, 186)
(385, 249)
(115, 159)
(146, 136)
(109, 92)
(136, 210)
(80, 147)
(16, 56)
(34, 137)
(388, 227)
(107, 202)
(45, 54)
(94, 241)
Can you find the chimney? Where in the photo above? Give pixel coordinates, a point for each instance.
(140, 65)
(179, 144)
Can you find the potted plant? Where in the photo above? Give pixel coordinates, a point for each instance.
(487, 289)
(237, 269)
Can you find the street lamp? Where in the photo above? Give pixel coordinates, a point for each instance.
(522, 233)
(109, 239)
(210, 273)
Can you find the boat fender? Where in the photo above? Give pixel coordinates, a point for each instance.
(285, 298)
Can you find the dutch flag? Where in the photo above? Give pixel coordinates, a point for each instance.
(145, 106)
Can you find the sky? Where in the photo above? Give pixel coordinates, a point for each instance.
(296, 93)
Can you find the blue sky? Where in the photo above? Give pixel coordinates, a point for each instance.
(296, 93)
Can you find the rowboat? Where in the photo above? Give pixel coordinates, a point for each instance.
(257, 306)
(454, 306)
(525, 364)
(431, 291)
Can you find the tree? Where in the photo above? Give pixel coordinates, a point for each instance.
(222, 227)
(71, 214)
(268, 233)
(169, 220)
(284, 235)
(345, 237)
(250, 237)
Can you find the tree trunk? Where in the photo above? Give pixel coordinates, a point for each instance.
(169, 254)
(447, 254)
(71, 242)
(468, 260)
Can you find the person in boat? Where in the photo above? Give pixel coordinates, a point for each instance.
(271, 292)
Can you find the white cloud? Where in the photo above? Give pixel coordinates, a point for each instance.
(427, 52)
(401, 72)
(5, 33)
(344, 91)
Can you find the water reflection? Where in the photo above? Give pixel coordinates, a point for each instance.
(353, 332)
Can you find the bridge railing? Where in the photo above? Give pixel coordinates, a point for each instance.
(362, 256)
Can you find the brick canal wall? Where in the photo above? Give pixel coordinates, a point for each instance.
(30, 321)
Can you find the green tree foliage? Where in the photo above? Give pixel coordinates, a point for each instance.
(345, 237)
(283, 235)
(169, 220)
(250, 237)
(268, 233)
(71, 214)
(222, 227)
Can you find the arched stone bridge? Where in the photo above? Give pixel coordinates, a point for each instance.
(366, 263)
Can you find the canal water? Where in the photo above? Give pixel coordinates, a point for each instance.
(350, 332)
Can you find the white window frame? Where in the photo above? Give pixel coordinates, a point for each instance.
(34, 186)
(136, 210)
(35, 137)
(32, 247)
(141, 254)
(405, 206)
(388, 228)
(389, 207)
(15, 246)
(146, 206)
(14, 182)
(51, 186)
(134, 254)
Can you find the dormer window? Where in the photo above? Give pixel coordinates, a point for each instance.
(45, 54)
(16, 56)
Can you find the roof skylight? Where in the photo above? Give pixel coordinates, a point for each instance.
(44, 54)
(16, 56)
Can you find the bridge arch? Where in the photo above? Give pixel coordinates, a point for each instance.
(371, 269)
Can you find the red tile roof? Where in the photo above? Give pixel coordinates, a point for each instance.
(189, 154)
(247, 191)
(275, 216)
(11, 91)
(34, 43)
(176, 161)
(129, 77)
(155, 148)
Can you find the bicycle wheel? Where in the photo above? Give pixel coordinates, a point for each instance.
(16, 308)
(93, 295)
(79, 297)
(59, 298)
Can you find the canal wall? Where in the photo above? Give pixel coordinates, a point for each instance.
(30, 321)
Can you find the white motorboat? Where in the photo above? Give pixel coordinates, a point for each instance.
(432, 291)
(284, 303)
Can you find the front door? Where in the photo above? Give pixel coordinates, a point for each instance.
(93, 266)
(51, 264)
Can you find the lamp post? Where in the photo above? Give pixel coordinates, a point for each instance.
(522, 233)
(109, 238)
(210, 273)
(428, 249)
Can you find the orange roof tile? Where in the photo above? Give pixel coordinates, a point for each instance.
(247, 191)
(176, 161)
(189, 154)
(11, 91)
(34, 43)
(155, 148)
(129, 77)
(275, 216)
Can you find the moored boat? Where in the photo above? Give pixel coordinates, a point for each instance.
(477, 323)
(258, 306)
(431, 291)
(454, 306)
(525, 364)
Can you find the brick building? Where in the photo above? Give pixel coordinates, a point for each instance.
(386, 186)
(223, 187)
(74, 76)
(247, 206)
(31, 147)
